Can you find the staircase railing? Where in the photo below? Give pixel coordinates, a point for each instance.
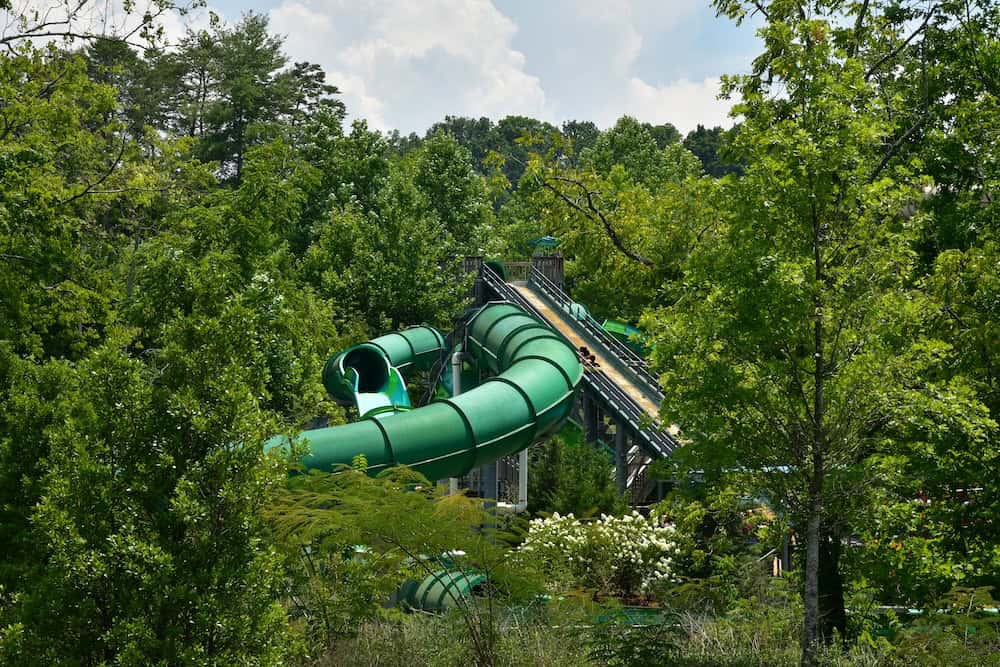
(623, 353)
(658, 442)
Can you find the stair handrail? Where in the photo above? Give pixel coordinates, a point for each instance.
(619, 350)
(660, 442)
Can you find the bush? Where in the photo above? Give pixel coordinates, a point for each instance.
(622, 556)
(570, 476)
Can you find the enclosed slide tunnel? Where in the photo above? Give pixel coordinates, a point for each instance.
(532, 393)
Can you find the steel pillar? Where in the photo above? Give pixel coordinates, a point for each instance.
(522, 480)
(488, 484)
(621, 457)
(456, 389)
(589, 418)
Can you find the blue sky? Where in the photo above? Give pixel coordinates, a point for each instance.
(404, 64)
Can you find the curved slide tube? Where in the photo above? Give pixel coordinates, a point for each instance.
(530, 397)
(368, 375)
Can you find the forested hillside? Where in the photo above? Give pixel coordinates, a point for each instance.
(188, 230)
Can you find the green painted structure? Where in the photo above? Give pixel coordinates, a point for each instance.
(370, 375)
(627, 334)
(536, 375)
(441, 590)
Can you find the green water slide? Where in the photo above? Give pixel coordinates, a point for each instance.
(536, 375)
(370, 375)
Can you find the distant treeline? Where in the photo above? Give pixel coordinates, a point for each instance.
(482, 136)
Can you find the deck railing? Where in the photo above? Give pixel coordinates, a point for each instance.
(619, 350)
(658, 443)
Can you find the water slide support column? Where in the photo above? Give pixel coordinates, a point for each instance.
(488, 471)
(589, 418)
(456, 385)
(522, 480)
(621, 456)
(488, 483)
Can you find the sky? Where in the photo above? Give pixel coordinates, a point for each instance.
(406, 64)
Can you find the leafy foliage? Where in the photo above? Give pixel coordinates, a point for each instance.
(409, 529)
(569, 476)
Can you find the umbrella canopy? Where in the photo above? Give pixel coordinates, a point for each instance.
(545, 242)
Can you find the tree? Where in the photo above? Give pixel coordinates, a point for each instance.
(59, 142)
(389, 268)
(629, 144)
(144, 542)
(516, 134)
(582, 134)
(248, 59)
(478, 135)
(936, 65)
(239, 87)
(570, 476)
(147, 352)
(710, 145)
(357, 167)
(663, 135)
(194, 66)
(444, 174)
(117, 64)
(798, 351)
(624, 226)
(402, 145)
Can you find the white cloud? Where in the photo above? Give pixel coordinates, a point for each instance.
(589, 66)
(405, 65)
(685, 103)
(96, 18)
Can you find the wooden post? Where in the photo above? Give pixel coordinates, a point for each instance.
(550, 266)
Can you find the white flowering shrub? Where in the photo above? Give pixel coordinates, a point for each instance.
(623, 556)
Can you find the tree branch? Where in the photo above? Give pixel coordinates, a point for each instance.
(896, 51)
(90, 186)
(19, 258)
(593, 213)
(760, 8)
(45, 27)
(895, 147)
(856, 44)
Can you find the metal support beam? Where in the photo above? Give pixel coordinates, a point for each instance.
(488, 481)
(522, 480)
(456, 389)
(621, 458)
(589, 418)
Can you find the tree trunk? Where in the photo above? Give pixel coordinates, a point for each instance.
(832, 613)
(810, 624)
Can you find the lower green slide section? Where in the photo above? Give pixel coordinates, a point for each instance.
(532, 393)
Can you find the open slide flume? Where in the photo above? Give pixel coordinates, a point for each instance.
(529, 397)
